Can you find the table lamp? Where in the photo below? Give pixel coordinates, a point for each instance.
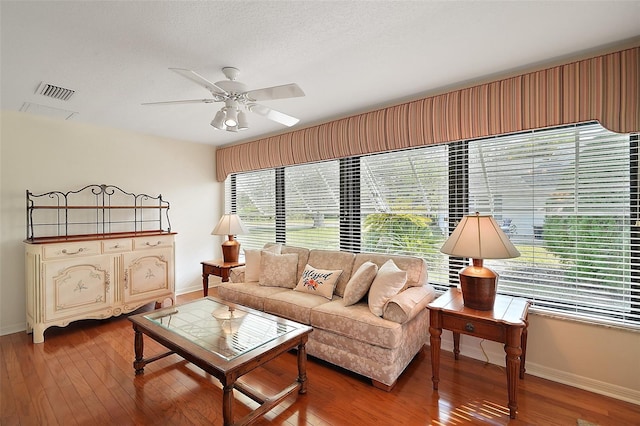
(479, 237)
(230, 224)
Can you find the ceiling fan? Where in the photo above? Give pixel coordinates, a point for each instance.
(234, 94)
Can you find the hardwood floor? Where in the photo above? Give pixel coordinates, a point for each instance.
(83, 375)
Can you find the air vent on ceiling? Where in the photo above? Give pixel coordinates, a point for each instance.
(55, 92)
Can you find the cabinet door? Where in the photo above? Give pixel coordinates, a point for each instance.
(76, 287)
(148, 274)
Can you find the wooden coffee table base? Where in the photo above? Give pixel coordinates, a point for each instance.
(229, 381)
(226, 369)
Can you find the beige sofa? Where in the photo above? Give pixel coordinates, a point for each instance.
(352, 337)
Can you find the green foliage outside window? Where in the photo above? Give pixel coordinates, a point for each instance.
(401, 234)
(584, 242)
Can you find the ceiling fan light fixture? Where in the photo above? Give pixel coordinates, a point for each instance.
(232, 117)
(243, 124)
(218, 120)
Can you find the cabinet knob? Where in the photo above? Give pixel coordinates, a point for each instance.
(469, 327)
(154, 245)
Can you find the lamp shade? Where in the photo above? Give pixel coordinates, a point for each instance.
(479, 237)
(218, 120)
(243, 124)
(229, 224)
(231, 119)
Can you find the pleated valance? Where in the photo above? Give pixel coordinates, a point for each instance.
(605, 88)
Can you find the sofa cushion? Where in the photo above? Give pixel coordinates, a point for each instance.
(252, 261)
(303, 259)
(359, 283)
(416, 267)
(294, 305)
(278, 270)
(387, 283)
(334, 259)
(320, 282)
(356, 322)
(251, 295)
(405, 305)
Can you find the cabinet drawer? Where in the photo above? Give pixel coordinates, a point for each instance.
(157, 241)
(117, 246)
(490, 331)
(69, 250)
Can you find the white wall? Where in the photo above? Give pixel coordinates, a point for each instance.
(42, 155)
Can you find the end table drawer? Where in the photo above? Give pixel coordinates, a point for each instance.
(494, 332)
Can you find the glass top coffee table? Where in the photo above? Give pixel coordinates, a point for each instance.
(227, 341)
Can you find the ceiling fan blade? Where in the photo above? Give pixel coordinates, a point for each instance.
(200, 80)
(188, 101)
(271, 114)
(276, 92)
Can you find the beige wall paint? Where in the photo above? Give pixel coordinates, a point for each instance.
(42, 155)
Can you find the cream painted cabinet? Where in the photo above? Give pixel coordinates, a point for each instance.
(148, 270)
(99, 278)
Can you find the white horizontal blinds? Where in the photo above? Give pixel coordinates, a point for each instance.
(404, 201)
(564, 198)
(255, 194)
(312, 205)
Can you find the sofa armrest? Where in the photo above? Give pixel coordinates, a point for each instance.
(236, 275)
(405, 305)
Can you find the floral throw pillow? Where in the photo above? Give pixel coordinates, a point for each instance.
(359, 284)
(278, 270)
(252, 262)
(318, 281)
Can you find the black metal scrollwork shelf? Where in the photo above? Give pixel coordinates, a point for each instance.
(94, 211)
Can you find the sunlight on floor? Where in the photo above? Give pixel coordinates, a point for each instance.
(486, 411)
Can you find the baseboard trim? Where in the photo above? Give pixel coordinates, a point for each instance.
(581, 382)
(495, 355)
(15, 328)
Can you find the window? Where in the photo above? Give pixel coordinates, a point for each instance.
(251, 196)
(312, 205)
(566, 197)
(404, 205)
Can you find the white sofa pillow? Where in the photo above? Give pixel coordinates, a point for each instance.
(318, 281)
(388, 282)
(360, 283)
(252, 262)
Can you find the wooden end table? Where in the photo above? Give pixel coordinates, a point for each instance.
(219, 268)
(506, 323)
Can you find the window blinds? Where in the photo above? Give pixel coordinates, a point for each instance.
(253, 196)
(564, 197)
(312, 205)
(567, 198)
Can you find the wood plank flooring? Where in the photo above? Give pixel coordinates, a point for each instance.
(83, 375)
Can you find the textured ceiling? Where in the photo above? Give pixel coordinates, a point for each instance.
(348, 56)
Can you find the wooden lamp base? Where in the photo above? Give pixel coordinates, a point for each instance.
(479, 286)
(230, 250)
